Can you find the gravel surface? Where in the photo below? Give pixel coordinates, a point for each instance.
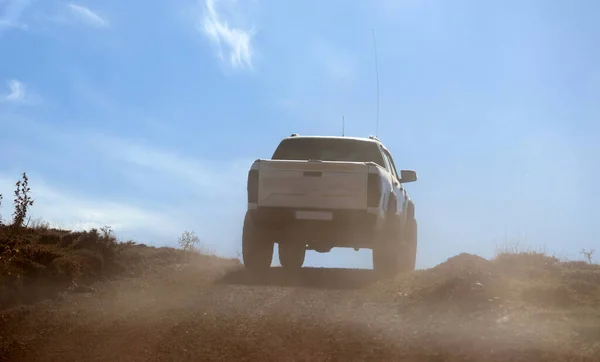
(211, 310)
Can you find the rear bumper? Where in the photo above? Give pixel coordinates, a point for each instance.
(347, 228)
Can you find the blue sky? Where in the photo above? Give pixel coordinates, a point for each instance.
(146, 118)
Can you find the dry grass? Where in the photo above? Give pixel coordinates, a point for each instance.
(36, 260)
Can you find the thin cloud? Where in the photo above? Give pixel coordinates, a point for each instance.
(237, 42)
(11, 14)
(199, 176)
(7, 24)
(61, 208)
(87, 16)
(17, 92)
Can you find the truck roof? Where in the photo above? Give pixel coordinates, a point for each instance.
(364, 139)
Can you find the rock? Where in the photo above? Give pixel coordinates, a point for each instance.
(503, 319)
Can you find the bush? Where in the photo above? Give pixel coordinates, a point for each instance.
(35, 257)
(588, 255)
(22, 201)
(188, 241)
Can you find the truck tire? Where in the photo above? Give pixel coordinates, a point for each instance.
(257, 246)
(387, 247)
(292, 254)
(408, 256)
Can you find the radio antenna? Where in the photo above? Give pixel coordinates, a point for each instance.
(377, 79)
(343, 125)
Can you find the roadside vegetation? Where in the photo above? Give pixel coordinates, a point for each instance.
(37, 260)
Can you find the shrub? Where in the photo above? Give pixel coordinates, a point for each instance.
(588, 255)
(188, 241)
(35, 259)
(22, 201)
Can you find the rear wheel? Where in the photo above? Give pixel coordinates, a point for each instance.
(292, 254)
(386, 250)
(257, 246)
(408, 256)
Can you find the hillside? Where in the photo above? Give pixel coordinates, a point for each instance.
(81, 295)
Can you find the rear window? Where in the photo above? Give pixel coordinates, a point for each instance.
(327, 149)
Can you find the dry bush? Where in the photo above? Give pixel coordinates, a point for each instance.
(518, 247)
(31, 258)
(188, 241)
(528, 264)
(36, 257)
(22, 201)
(37, 260)
(39, 224)
(588, 255)
(49, 238)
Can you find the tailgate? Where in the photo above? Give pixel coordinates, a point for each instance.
(313, 184)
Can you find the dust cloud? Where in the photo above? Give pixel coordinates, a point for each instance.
(515, 307)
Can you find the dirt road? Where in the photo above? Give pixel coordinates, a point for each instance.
(211, 310)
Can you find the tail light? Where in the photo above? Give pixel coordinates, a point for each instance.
(253, 186)
(373, 190)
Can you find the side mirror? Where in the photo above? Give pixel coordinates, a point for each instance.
(408, 176)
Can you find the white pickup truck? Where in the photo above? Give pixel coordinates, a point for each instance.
(317, 193)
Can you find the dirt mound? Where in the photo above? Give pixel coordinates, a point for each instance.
(471, 283)
(461, 261)
(465, 282)
(545, 281)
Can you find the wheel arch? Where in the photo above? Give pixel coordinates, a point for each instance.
(411, 210)
(392, 204)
